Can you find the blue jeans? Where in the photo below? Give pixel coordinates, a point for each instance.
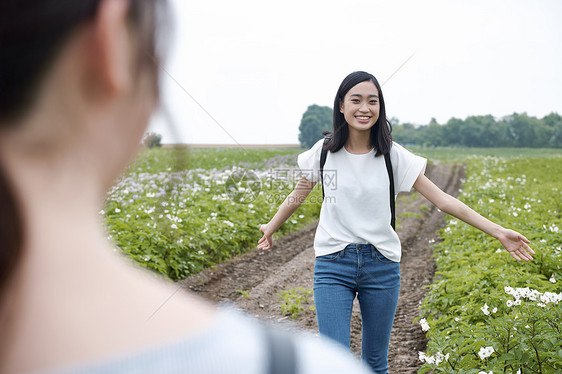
(359, 269)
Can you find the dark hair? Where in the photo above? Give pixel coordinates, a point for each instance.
(381, 138)
(32, 33)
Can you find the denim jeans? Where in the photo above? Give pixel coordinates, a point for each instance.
(359, 269)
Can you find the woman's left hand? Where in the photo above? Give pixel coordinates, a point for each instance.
(516, 244)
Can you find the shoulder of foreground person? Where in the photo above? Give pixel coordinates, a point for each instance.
(235, 343)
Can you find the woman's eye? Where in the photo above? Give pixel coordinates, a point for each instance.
(354, 100)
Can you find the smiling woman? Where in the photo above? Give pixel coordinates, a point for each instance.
(357, 249)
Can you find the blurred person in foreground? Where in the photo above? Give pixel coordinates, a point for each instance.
(78, 83)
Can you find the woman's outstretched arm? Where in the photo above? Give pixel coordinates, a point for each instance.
(515, 243)
(287, 208)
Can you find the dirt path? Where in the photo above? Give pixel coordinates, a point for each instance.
(252, 281)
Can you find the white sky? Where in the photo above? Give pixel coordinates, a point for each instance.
(255, 66)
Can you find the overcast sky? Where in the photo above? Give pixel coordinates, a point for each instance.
(245, 71)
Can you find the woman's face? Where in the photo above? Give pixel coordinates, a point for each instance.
(360, 106)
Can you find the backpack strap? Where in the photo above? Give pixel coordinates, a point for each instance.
(392, 202)
(281, 352)
(323, 156)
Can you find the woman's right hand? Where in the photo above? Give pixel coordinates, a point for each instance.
(266, 242)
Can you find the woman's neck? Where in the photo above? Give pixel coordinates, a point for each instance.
(358, 142)
(69, 284)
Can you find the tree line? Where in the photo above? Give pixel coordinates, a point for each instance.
(515, 130)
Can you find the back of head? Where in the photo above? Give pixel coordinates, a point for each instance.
(32, 34)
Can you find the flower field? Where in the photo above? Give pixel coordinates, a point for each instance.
(177, 211)
(485, 312)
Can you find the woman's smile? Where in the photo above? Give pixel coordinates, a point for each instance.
(363, 119)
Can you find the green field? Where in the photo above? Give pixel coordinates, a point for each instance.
(177, 211)
(459, 155)
(485, 311)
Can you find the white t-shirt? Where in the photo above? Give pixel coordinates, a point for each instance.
(356, 207)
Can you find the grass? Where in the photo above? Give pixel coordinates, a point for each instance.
(453, 154)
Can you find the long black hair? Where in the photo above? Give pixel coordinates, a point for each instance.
(381, 138)
(32, 33)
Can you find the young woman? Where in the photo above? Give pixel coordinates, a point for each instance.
(78, 82)
(357, 250)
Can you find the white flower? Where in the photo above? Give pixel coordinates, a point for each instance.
(509, 303)
(485, 352)
(499, 250)
(485, 310)
(424, 325)
(228, 223)
(552, 279)
(117, 210)
(457, 319)
(494, 310)
(433, 360)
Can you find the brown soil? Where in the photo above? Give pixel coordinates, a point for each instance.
(252, 281)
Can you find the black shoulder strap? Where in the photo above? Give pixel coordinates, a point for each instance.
(391, 178)
(282, 354)
(323, 156)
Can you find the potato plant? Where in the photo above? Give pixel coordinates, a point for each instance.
(485, 312)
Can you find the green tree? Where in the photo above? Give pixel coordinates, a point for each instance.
(433, 134)
(516, 130)
(405, 133)
(152, 140)
(315, 120)
(451, 132)
(554, 122)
